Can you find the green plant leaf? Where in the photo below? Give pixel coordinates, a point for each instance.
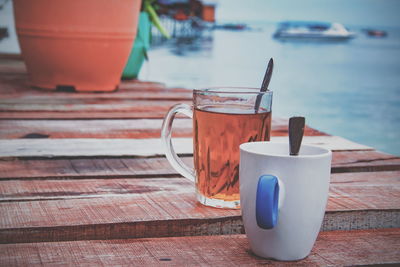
(155, 19)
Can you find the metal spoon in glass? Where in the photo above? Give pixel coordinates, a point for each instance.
(265, 83)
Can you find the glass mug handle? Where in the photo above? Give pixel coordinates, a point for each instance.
(166, 131)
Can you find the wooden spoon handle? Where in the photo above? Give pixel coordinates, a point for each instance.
(296, 131)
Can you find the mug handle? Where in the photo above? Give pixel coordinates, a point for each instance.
(166, 131)
(269, 199)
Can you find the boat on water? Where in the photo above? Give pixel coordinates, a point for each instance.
(232, 26)
(375, 33)
(303, 30)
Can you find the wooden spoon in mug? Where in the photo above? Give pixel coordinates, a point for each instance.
(296, 131)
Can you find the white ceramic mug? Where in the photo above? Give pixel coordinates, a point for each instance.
(283, 198)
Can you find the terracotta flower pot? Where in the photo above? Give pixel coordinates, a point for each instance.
(84, 44)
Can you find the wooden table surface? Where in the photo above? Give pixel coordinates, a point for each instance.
(83, 181)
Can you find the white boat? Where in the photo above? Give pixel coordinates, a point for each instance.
(312, 31)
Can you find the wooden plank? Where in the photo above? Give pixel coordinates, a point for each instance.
(81, 147)
(138, 128)
(88, 105)
(18, 100)
(54, 210)
(363, 161)
(9, 64)
(14, 79)
(128, 128)
(128, 167)
(134, 215)
(137, 91)
(87, 168)
(348, 191)
(11, 56)
(67, 107)
(334, 143)
(336, 248)
(51, 148)
(74, 115)
(280, 128)
(16, 85)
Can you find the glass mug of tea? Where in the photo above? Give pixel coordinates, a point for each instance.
(223, 118)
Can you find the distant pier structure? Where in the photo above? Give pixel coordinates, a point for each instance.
(186, 18)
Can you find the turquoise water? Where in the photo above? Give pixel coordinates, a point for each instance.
(350, 89)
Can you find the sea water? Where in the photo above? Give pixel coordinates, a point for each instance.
(350, 88)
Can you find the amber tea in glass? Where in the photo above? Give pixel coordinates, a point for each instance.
(223, 118)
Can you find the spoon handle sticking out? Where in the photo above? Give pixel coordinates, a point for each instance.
(296, 131)
(268, 75)
(265, 83)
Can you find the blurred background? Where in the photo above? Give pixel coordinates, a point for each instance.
(347, 87)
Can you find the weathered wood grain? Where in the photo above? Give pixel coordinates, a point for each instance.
(96, 196)
(54, 210)
(128, 90)
(348, 191)
(88, 109)
(84, 115)
(116, 128)
(108, 168)
(363, 161)
(90, 147)
(11, 64)
(53, 148)
(134, 99)
(14, 81)
(16, 86)
(138, 128)
(87, 105)
(16, 57)
(337, 248)
(87, 168)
